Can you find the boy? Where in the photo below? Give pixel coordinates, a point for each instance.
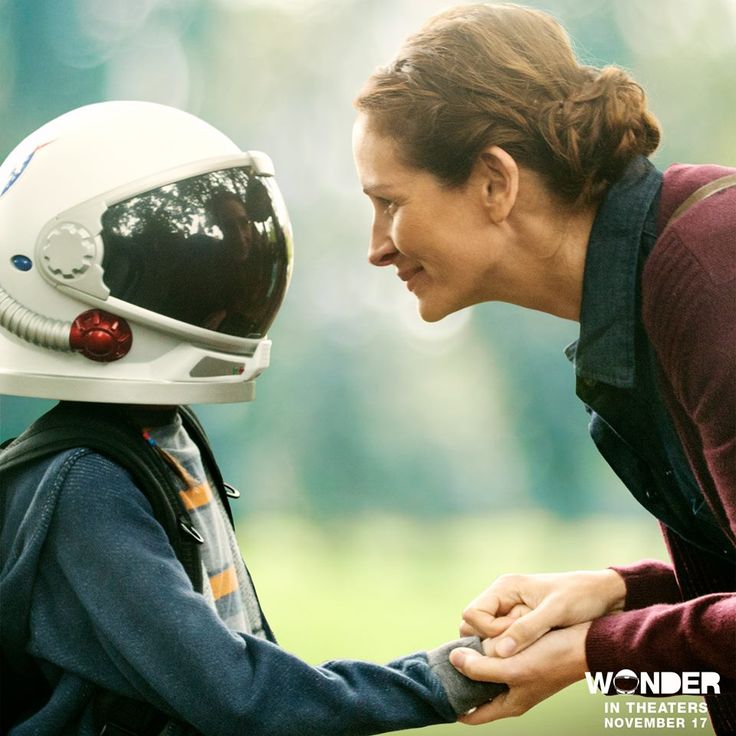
(126, 606)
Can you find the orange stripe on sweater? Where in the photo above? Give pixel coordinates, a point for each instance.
(196, 496)
(224, 582)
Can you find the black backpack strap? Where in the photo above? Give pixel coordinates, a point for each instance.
(116, 715)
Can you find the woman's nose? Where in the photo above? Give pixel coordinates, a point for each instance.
(382, 251)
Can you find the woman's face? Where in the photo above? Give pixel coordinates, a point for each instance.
(440, 239)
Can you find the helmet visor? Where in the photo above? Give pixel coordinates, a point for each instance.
(213, 250)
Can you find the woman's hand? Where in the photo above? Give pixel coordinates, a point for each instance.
(546, 667)
(525, 607)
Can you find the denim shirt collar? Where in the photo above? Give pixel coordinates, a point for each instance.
(608, 314)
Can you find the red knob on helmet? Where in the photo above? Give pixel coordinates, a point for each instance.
(100, 336)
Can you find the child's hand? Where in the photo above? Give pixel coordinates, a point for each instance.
(553, 662)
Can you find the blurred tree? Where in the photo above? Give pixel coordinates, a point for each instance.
(363, 407)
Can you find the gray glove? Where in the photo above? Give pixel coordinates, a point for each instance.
(462, 692)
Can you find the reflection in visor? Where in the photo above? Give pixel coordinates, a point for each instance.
(213, 251)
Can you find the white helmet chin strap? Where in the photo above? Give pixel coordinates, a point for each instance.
(32, 327)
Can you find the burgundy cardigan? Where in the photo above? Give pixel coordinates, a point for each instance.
(683, 617)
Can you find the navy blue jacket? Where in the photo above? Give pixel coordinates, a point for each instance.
(91, 589)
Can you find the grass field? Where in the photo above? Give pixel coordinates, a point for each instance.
(377, 588)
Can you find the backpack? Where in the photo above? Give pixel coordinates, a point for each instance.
(109, 430)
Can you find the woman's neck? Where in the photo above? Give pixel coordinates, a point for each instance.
(549, 245)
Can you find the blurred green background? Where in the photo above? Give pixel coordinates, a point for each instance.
(390, 469)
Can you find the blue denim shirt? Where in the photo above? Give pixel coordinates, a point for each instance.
(616, 368)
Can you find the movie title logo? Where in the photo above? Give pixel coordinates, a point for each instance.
(628, 682)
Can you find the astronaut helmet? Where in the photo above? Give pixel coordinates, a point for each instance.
(143, 257)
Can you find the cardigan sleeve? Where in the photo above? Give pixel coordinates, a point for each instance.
(649, 582)
(697, 635)
(689, 312)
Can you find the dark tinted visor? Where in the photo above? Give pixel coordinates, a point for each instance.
(213, 251)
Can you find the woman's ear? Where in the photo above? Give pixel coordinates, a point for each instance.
(500, 177)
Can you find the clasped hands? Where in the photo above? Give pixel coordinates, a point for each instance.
(534, 629)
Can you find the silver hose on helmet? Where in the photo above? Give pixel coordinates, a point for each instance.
(32, 327)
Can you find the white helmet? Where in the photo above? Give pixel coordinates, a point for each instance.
(143, 256)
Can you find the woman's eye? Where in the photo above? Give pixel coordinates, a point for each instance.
(389, 206)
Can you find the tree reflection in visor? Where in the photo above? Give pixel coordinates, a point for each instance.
(212, 251)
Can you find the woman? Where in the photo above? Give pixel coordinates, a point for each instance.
(500, 168)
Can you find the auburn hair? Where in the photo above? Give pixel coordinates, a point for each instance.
(479, 75)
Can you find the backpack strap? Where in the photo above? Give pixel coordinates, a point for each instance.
(712, 187)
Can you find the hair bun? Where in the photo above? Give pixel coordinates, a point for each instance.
(598, 129)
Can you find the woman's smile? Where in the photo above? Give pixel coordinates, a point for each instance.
(410, 276)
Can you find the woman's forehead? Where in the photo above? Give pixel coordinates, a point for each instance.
(377, 157)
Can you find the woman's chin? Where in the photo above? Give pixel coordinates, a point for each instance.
(430, 312)
(434, 311)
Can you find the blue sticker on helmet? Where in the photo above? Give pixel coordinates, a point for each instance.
(18, 170)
